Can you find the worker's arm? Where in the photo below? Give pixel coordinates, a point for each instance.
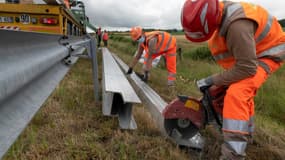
(151, 50)
(137, 56)
(241, 43)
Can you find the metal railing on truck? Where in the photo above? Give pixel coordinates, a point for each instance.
(31, 66)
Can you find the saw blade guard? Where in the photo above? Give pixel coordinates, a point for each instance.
(188, 108)
(183, 118)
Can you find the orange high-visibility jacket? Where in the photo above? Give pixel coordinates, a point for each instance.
(166, 45)
(165, 42)
(269, 36)
(105, 36)
(99, 32)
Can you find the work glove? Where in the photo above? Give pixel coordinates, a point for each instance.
(143, 77)
(130, 70)
(204, 83)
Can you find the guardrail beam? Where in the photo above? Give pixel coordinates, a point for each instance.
(118, 94)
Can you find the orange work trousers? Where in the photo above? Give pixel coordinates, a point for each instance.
(170, 57)
(238, 107)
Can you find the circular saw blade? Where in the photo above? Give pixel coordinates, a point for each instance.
(184, 126)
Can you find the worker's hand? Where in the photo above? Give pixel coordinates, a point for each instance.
(130, 70)
(216, 91)
(204, 83)
(145, 76)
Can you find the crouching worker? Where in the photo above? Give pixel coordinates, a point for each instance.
(249, 44)
(154, 43)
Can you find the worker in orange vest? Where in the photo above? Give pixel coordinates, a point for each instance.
(99, 36)
(249, 44)
(105, 38)
(154, 43)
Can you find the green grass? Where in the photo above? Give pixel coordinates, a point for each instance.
(70, 125)
(270, 98)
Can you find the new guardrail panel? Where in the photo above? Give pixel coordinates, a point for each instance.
(118, 94)
(150, 98)
(155, 104)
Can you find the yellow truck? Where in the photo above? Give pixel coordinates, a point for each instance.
(52, 17)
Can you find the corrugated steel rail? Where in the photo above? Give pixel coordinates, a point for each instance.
(118, 94)
(31, 66)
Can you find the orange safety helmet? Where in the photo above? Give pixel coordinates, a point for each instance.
(136, 32)
(199, 19)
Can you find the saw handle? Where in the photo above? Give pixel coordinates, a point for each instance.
(213, 99)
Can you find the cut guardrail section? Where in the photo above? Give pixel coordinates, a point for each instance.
(118, 94)
(31, 66)
(155, 104)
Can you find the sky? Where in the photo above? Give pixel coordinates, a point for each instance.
(162, 14)
(152, 13)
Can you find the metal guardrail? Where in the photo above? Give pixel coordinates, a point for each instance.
(118, 94)
(88, 43)
(31, 66)
(155, 104)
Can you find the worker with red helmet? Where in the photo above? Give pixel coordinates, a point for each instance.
(249, 44)
(154, 43)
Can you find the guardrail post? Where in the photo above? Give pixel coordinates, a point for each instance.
(94, 65)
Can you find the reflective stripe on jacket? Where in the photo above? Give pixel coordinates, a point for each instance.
(165, 45)
(165, 42)
(269, 36)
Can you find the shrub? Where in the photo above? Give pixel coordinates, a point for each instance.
(121, 38)
(200, 53)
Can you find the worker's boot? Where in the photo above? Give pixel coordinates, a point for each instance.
(229, 154)
(234, 146)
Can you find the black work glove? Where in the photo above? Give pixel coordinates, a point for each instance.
(130, 70)
(143, 77)
(204, 83)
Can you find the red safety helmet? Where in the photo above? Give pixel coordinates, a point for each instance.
(136, 32)
(199, 19)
